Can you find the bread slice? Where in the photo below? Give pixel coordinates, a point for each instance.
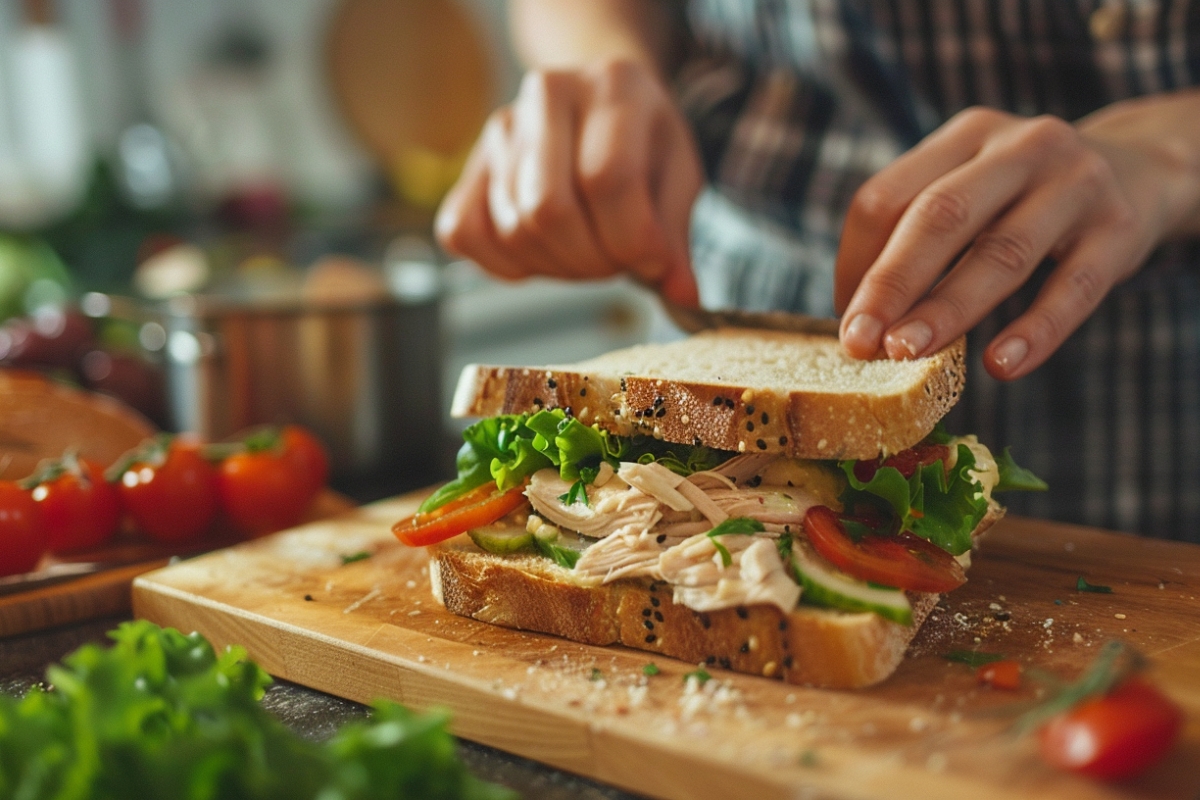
(810, 645)
(737, 389)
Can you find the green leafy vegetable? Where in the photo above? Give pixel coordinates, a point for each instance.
(362, 555)
(942, 508)
(1014, 478)
(162, 715)
(701, 675)
(734, 525)
(597, 674)
(576, 494)
(973, 658)
(1082, 585)
(651, 669)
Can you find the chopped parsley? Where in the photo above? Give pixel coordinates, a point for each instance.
(1082, 585)
(361, 555)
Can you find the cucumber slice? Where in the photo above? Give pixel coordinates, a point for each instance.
(824, 585)
(502, 539)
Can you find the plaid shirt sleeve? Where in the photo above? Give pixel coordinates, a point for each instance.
(796, 102)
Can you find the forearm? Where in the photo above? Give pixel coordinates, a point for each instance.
(1166, 129)
(564, 34)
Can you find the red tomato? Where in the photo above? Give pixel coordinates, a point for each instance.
(907, 461)
(170, 490)
(22, 544)
(1116, 736)
(1000, 675)
(78, 507)
(904, 561)
(475, 509)
(307, 455)
(262, 492)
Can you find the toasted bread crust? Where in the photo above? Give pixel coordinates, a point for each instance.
(810, 645)
(724, 415)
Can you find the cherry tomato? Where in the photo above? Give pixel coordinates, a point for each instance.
(169, 489)
(907, 461)
(262, 492)
(22, 544)
(78, 508)
(1116, 736)
(1000, 675)
(903, 561)
(307, 455)
(475, 509)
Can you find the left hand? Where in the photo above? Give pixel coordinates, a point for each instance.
(1005, 192)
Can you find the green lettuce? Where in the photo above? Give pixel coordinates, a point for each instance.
(943, 508)
(1014, 478)
(162, 715)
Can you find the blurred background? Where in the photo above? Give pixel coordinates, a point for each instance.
(220, 212)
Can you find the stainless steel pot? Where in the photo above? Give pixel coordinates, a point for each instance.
(365, 377)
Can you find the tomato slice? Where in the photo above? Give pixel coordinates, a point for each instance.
(903, 561)
(907, 461)
(1116, 736)
(1000, 675)
(475, 509)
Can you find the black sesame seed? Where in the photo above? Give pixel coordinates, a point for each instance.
(765, 419)
(750, 426)
(717, 400)
(308, 597)
(705, 621)
(539, 402)
(787, 662)
(749, 410)
(654, 601)
(645, 612)
(742, 612)
(622, 384)
(754, 481)
(728, 403)
(649, 625)
(695, 441)
(710, 660)
(570, 412)
(650, 638)
(662, 537)
(761, 444)
(553, 384)
(783, 440)
(725, 663)
(658, 616)
(787, 528)
(783, 624)
(745, 648)
(583, 392)
(662, 411)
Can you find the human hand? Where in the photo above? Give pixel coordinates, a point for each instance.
(1005, 192)
(588, 173)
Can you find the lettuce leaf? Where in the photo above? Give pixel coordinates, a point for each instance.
(509, 448)
(161, 714)
(1014, 478)
(942, 508)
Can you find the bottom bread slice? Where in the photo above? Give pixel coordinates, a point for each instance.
(815, 646)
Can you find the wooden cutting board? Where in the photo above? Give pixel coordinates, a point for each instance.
(370, 628)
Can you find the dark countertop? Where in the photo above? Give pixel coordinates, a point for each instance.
(312, 714)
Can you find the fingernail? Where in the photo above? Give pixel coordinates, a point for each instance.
(863, 332)
(909, 340)
(1011, 352)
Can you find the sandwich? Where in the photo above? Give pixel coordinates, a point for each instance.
(743, 499)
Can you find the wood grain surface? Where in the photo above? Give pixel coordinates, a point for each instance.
(107, 592)
(370, 628)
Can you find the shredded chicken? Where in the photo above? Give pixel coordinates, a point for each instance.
(610, 507)
(627, 554)
(657, 481)
(755, 575)
(769, 504)
(734, 472)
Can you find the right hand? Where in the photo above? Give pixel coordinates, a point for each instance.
(587, 174)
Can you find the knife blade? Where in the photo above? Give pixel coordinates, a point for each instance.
(694, 320)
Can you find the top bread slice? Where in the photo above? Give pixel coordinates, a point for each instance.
(737, 389)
